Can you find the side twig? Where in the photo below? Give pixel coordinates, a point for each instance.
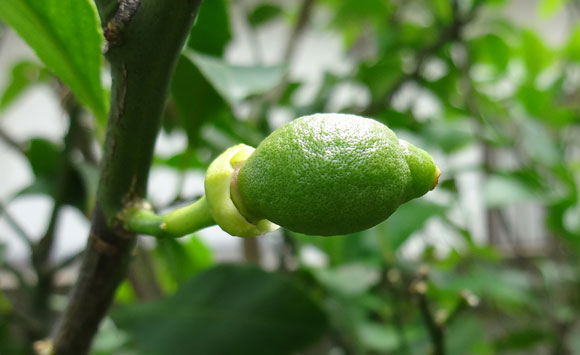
(435, 328)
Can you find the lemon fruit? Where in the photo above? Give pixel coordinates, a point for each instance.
(331, 174)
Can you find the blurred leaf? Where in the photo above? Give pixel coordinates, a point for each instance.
(548, 8)
(443, 11)
(182, 260)
(290, 90)
(407, 219)
(501, 190)
(542, 105)
(44, 157)
(89, 175)
(66, 35)
(24, 74)
(464, 335)
(211, 32)
(263, 13)
(195, 99)
(348, 280)
(572, 49)
(449, 136)
(380, 76)
(342, 249)
(227, 310)
(378, 336)
(491, 49)
(187, 159)
(125, 293)
(539, 144)
(508, 289)
(522, 339)
(537, 56)
(235, 82)
(108, 340)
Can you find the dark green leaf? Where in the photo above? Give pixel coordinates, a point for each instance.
(464, 334)
(46, 161)
(491, 49)
(44, 157)
(443, 11)
(211, 32)
(227, 310)
(235, 82)
(181, 260)
(263, 13)
(196, 101)
(522, 339)
(67, 37)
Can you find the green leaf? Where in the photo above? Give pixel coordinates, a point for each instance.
(380, 76)
(181, 260)
(66, 35)
(263, 13)
(522, 339)
(572, 49)
(378, 337)
(196, 101)
(235, 82)
(464, 334)
(502, 190)
(537, 56)
(44, 157)
(491, 49)
(227, 310)
(443, 11)
(24, 74)
(89, 176)
(539, 144)
(409, 218)
(211, 32)
(449, 136)
(348, 280)
(548, 8)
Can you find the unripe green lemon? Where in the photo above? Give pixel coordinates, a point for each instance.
(331, 174)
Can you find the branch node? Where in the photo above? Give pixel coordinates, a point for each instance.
(115, 28)
(102, 246)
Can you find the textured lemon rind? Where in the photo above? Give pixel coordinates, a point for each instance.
(217, 190)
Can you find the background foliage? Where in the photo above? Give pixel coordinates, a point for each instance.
(487, 264)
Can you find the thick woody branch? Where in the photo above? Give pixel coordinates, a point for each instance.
(144, 40)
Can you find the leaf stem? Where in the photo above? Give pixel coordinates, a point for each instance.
(175, 224)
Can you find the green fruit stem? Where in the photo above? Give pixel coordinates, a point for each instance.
(175, 224)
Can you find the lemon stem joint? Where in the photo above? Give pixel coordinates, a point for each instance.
(324, 174)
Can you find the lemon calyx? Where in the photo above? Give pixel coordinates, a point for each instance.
(218, 191)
